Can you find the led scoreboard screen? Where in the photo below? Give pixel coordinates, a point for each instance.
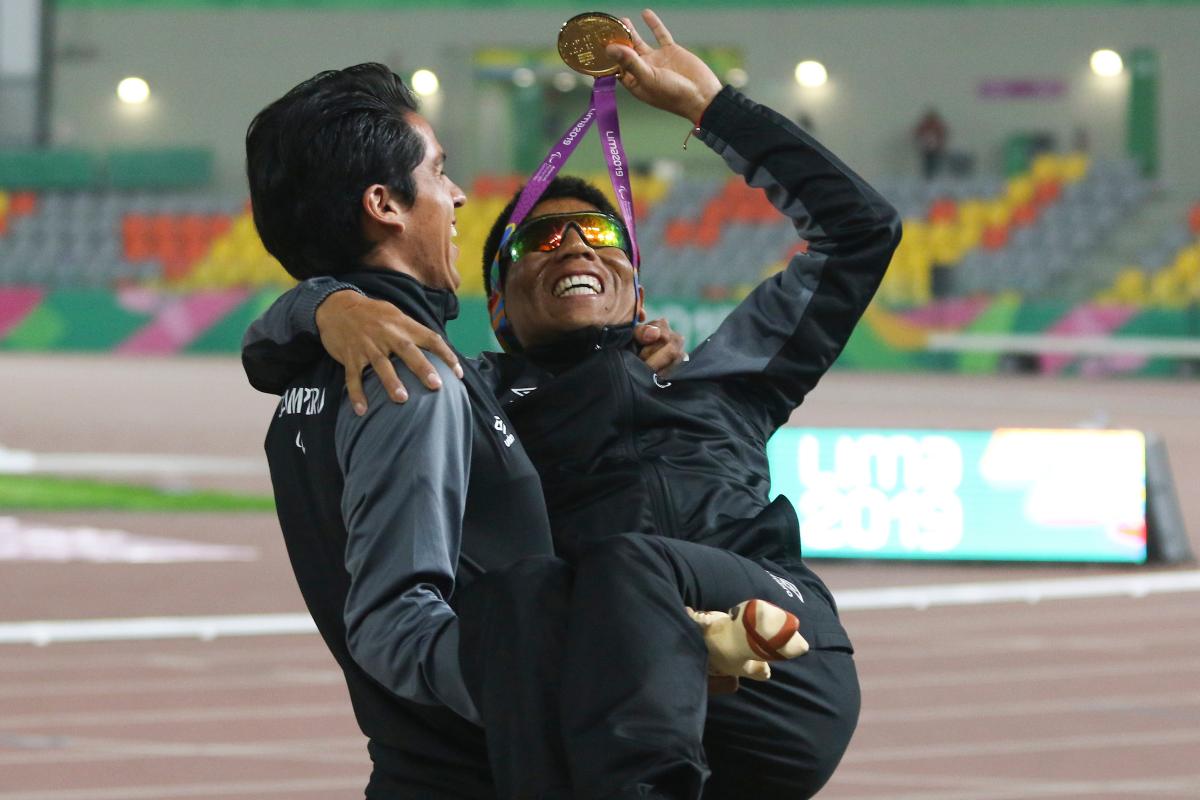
(1009, 494)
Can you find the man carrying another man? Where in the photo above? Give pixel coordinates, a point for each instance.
(678, 462)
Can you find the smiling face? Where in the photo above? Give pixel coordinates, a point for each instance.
(571, 287)
(426, 243)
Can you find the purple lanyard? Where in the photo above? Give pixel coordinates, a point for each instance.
(603, 109)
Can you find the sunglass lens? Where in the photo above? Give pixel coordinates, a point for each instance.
(546, 234)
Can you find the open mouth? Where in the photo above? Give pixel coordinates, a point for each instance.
(578, 285)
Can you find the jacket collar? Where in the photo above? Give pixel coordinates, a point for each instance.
(574, 346)
(430, 307)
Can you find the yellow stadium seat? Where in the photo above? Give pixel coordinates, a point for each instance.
(908, 280)
(894, 289)
(648, 190)
(969, 237)
(1191, 289)
(1166, 290)
(945, 244)
(4, 201)
(1187, 263)
(916, 232)
(1020, 190)
(1130, 286)
(1075, 167)
(973, 213)
(998, 213)
(1047, 167)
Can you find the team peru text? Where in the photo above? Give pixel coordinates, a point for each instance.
(302, 400)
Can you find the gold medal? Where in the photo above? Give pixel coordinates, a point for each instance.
(582, 39)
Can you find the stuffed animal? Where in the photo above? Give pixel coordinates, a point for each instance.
(741, 642)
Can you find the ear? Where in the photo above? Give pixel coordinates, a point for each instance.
(383, 208)
(640, 307)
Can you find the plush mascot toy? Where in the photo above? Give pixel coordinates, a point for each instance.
(741, 642)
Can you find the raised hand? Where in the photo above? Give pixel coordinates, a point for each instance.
(670, 76)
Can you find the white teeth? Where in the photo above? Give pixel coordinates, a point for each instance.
(453, 231)
(573, 285)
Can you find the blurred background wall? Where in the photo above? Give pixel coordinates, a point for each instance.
(1064, 199)
(212, 67)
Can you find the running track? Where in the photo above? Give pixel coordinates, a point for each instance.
(1094, 697)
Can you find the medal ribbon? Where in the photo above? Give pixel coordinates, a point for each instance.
(602, 109)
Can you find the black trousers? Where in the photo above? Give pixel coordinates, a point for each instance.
(592, 681)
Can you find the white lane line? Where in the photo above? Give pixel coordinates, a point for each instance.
(263, 681)
(1122, 740)
(1140, 703)
(1035, 618)
(954, 594)
(27, 462)
(1015, 788)
(225, 789)
(70, 749)
(963, 594)
(57, 544)
(1006, 788)
(1140, 666)
(101, 630)
(1179, 637)
(190, 659)
(108, 719)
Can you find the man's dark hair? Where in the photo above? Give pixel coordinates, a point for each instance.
(562, 186)
(312, 153)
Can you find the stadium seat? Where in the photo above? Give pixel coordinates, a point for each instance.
(22, 204)
(995, 237)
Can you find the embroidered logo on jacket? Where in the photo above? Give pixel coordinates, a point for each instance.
(502, 429)
(788, 587)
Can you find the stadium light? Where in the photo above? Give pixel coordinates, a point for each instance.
(524, 77)
(425, 82)
(1107, 63)
(133, 91)
(564, 81)
(811, 74)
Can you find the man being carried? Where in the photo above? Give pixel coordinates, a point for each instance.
(677, 461)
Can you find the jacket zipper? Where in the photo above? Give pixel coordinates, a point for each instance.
(651, 476)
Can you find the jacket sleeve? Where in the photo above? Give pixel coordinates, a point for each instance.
(406, 469)
(283, 342)
(783, 337)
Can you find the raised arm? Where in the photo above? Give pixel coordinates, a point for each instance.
(405, 532)
(784, 336)
(779, 341)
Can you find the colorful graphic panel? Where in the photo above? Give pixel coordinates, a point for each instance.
(1008, 495)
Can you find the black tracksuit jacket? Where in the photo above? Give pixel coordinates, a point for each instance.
(386, 517)
(683, 455)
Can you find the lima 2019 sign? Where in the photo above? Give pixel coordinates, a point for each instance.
(1007, 494)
